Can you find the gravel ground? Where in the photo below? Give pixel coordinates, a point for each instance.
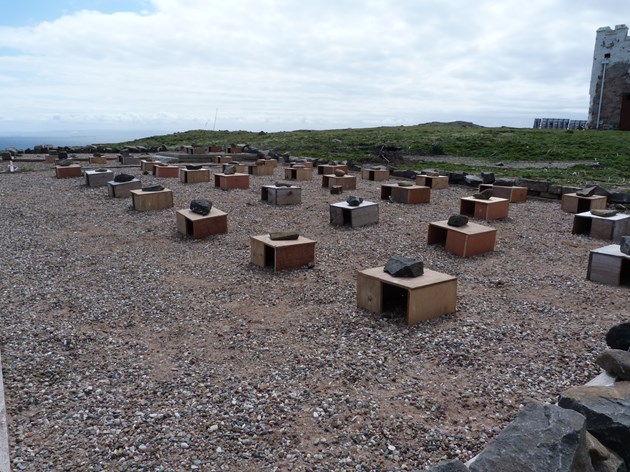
(127, 347)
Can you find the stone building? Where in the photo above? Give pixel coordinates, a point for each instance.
(609, 106)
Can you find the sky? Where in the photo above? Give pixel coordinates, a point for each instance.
(162, 66)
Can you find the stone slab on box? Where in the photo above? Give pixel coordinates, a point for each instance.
(412, 194)
(187, 176)
(425, 297)
(98, 179)
(168, 172)
(608, 265)
(347, 182)
(342, 214)
(492, 209)
(281, 195)
(306, 164)
(123, 189)
(325, 169)
(150, 201)
(200, 226)
(282, 255)
(573, 203)
(240, 167)
(298, 173)
(64, 172)
(513, 194)
(377, 175)
(231, 181)
(599, 227)
(433, 181)
(469, 240)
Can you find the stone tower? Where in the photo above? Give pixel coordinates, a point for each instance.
(609, 106)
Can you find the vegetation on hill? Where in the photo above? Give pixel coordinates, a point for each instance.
(489, 146)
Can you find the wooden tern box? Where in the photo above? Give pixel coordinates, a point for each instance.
(187, 176)
(406, 194)
(492, 209)
(573, 203)
(63, 172)
(427, 296)
(354, 216)
(282, 255)
(149, 201)
(281, 195)
(96, 178)
(608, 265)
(377, 175)
(469, 240)
(513, 194)
(298, 173)
(231, 181)
(434, 181)
(599, 227)
(199, 226)
(347, 182)
(123, 189)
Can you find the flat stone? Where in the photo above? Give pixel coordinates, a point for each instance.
(586, 192)
(100, 170)
(457, 220)
(407, 174)
(64, 162)
(201, 206)
(400, 266)
(618, 337)
(624, 245)
(152, 188)
(616, 362)
(123, 178)
(541, 438)
(340, 173)
(603, 213)
(402, 183)
(485, 195)
(284, 235)
(354, 201)
(193, 167)
(283, 184)
(606, 411)
(229, 170)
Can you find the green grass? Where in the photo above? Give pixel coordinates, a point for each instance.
(490, 145)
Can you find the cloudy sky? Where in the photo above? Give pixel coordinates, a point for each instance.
(172, 65)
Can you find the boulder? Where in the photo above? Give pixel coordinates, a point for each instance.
(457, 177)
(152, 188)
(62, 155)
(616, 362)
(606, 411)
(400, 266)
(485, 195)
(473, 180)
(541, 438)
(624, 245)
(193, 167)
(602, 458)
(407, 174)
(619, 197)
(586, 192)
(504, 182)
(201, 206)
(100, 170)
(284, 235)
(487, 177)
(123, 178)
(64, 162)
(354, 201)
(457, 220)
(229, 169)
(452, 465)
(618, 337)
(340, 172)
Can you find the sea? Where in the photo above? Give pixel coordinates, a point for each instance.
(29, 141)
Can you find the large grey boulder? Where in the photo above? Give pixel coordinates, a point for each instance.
(618, 337)
(473, 180)
(542, 438)
(616, 362)
(602, 458)
(487, 177)
(607, 412)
